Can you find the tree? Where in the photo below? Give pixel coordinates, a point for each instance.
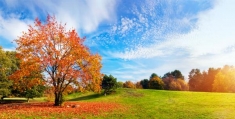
(109, 84)
(153, 75)
(175, 74)
(129, 84)
(195, 80)
(119, 84)
(28, 80)
(61, 55)
(209, 77)
(138, 85)
(145, 83)
(5, 65)
(179, 85)
(225, 80)
(155, 82)
(202, 81)
(167, 79)
(174, 81)
(35, 91)
(15, 62)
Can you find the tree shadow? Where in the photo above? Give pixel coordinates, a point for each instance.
(88, 97)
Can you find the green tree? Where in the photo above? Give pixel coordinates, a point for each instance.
(174, 74)
(5, 68)
(109, 84)
(177, 74)
(153, 75)
(119, 84)
(145, 83)
(15, 62)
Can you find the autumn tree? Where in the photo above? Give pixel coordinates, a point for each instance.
(129, 84)
(61, 55)
(155, 82)
(209, 77)
(28, 80)
(225, 80)
(202, 81)
(174, 81)
(167, 79)
(179, 85)
(138, 85)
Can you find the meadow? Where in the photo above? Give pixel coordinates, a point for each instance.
(130, 103)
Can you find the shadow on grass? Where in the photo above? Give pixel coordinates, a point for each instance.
(88, 97)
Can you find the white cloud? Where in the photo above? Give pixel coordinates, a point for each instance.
(11, 28)
(85, 16)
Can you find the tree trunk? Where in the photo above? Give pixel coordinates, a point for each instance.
(58, 99)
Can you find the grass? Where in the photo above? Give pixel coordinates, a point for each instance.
(161, 104)
(158, 104)
(174, 104)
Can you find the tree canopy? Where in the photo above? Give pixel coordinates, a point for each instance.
(155, 82)
(5, 70)
(109, 84)
(59, 53)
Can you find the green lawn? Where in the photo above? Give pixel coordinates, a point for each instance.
(162, 104)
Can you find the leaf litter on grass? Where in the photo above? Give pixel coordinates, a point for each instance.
(69, 109)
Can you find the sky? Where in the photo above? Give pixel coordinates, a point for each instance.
(136, 37)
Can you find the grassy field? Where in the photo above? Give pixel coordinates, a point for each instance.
(144, 104)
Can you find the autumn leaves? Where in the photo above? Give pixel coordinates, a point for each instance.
(59, 55)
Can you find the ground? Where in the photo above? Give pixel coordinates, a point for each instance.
(130, 103)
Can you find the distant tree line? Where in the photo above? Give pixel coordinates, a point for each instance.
(170, 81)
(212, 80)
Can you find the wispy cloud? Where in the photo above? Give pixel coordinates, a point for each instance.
(213, 34)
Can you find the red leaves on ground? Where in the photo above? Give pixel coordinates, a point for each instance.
(70, 109)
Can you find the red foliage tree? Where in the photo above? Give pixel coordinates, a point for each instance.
(61, 55)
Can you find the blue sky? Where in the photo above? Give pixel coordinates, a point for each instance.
(137, 37)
